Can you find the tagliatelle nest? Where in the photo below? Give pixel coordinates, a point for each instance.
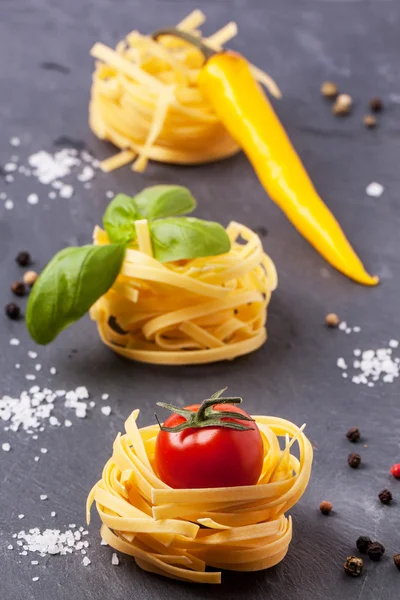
(190, 311)
(178, 533)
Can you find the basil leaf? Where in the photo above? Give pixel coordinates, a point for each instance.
(186, 237)
(164, 201)
(119, 219)
(68, 286)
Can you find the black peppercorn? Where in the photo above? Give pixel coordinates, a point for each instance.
(375, 551)
(353, 434)
(12, 311)
(354, 460)
(353, 566)
(23, 259)
(385, 496)
(376, 104)
(363, 543)
(396, 560)
(18, 288)
(261, 231)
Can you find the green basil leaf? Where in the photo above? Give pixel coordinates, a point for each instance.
(119, 219)
(186, 237)
(68, 286)
(164, 201)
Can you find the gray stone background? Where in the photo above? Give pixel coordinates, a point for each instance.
(300, 43)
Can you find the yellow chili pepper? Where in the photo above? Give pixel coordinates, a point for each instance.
(243, 108)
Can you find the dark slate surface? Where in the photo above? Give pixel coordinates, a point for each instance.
(294, 375)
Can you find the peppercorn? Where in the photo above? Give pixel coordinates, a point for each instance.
(395, 471)
(353, 566)
(370, 121)
(30, 277)
(375, 551)
(354, 460)
(329, 89)
(325, 507)
(376, 104)
(332, 320)
(12, 311)
(363, 544)
(23, 259)
(353, 435)
(18, 288)
(396, 560)
(385, 496)
(342, 105)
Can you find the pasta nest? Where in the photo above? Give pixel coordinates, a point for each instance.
(178, 533)
(193, 311)
(145, 99)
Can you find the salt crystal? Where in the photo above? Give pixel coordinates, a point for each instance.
(14, 342)
(15, 141)
(10, 547)
(82, 392)
(37, 458)
(9, 178)
(66, 191)
(53, 513)
(17, 366)
(30, 377)
(43, 497)
(341, 363)
(394, 343)
(114, 559)
(374, 189)
(35, 578)
(52, 195)
(32, 354)
(21, 516)
(38, 367)
(33, 199)
(10, 167)
(8, 204)
(67, 423)
(105, 396)
(43, 450)
(357, 352)
(110, 194)
(356, 329)
(106, 410)
(53, 370)
(86, 175)
(342, 326)
(6, 447)
(103, 542)
(34, 562)
(86, 561)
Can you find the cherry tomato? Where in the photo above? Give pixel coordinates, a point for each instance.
(212, 456)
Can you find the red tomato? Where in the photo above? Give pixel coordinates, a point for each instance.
(209, 457)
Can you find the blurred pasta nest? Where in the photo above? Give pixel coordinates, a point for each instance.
(189, 311)
(178, 533)
(145, 99)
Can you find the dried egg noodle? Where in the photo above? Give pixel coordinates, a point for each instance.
(145, 99)
(187, 312)
(178, 533)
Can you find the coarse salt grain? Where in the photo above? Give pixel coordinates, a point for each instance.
(86, 561)
(35, 578)
(53, 370)
(21, 516)
(67, 423)
(38, 367)
(10, 547)
(17, 366)
(394, 344)
(32, 354)
(30, 377)
(374, 189)
(8, 204)
(114, 559)
(43, 497)
(110, 194)
(341, 363)
(103, 542)
(15, 141)
(53, 513)
(6, 447)
(43, 450)
(14, 342)
(105, 396)
(106, 410)
(32, 199)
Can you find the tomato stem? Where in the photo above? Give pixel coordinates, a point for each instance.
(206, 416)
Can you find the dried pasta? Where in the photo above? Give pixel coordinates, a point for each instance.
(187, 312)
(178, 533)
(145, 99)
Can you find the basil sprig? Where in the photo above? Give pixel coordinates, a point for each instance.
(76, 277)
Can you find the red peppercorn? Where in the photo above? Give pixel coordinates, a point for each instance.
(395, 471)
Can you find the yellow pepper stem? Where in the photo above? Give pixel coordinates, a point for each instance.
(248, 116)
